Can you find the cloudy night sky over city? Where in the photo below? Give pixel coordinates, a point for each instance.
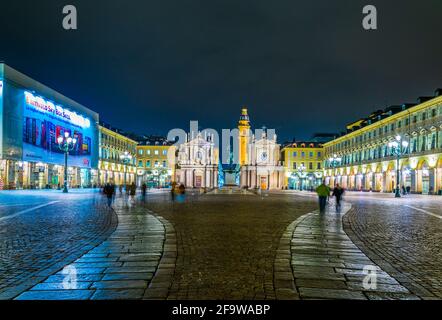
(300, 66)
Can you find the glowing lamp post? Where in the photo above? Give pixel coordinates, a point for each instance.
(398, 148)
(334, 161)
(126, 158)
(301, 170)
(66, 144)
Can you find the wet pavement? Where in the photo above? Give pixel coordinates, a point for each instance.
(42, 231)
(217, 246)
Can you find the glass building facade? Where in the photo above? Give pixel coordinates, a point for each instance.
(32, 117)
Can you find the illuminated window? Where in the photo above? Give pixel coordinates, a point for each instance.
(140, 152)
(148, 152)
(148, 163)
(156, 152)
(164, 152)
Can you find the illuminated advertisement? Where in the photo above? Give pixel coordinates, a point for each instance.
(44, 122)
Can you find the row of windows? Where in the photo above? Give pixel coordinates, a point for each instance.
(310, 154)
(106, 154)
(391, 127)
(148, 164)
(417, 144)
(110, 140)
(311, 166)
(148, 152)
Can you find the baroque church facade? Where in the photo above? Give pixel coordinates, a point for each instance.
(197, 165)
(259, 158)
(259, 164)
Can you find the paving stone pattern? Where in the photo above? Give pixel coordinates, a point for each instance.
(37, 244)
(121, 267)
(405, 242)
(326, 264)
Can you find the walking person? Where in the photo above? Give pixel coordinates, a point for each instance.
(172, 190)
(323, 192)
(338, 191)
(133, 189)
(143, 191)
(109, 192)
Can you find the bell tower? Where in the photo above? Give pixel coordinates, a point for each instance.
(244, 136)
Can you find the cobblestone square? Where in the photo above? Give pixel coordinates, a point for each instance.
(228, 246)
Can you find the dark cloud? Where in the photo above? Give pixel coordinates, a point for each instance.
(301, 66)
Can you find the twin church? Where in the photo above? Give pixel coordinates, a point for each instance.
(258, 165)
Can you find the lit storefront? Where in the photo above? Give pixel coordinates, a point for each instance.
(33, 117)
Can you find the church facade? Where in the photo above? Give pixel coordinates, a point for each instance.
(197, 165)
(257, 166)
(259, 158)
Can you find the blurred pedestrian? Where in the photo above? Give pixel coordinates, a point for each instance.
(323, 192)
(143, 191)
(338, 191)
(109, 191)
(133, 189)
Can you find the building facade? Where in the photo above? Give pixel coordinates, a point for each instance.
(365, 158)
(303, 165)
(259, 157)
(155, 162)
(263, 169)
(198, 160)
(117, 156)
(32, 117)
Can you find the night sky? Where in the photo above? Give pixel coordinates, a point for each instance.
(300, 66)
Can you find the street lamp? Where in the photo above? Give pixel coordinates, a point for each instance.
(334, 161)
(66, 144)
(398, 148)
(301, 170)
(126, 158)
